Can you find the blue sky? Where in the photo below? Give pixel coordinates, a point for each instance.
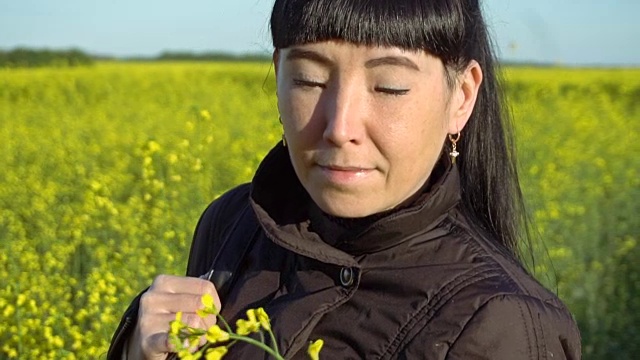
(572, 32)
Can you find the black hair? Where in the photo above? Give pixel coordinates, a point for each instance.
(454, 31)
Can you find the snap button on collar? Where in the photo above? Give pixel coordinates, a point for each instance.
(346, 276)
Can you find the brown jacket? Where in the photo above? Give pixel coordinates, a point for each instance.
(419, 283)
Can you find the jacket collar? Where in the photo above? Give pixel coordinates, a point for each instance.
(283, 208)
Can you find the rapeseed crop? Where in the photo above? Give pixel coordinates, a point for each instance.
(106, 170)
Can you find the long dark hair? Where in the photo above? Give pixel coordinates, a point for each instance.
(455, 31)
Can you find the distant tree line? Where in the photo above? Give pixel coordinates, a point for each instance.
(23, 57)
(209, 56)
(27, 57)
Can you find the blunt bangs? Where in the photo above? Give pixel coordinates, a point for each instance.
(436, 26)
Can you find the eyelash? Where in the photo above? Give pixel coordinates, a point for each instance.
(386, 91)
(308, 83)
(394, 92)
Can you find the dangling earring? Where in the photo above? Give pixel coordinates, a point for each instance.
(454, 152)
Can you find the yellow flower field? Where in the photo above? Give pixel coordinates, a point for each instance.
(106, 169)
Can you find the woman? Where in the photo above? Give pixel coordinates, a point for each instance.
(387, 220)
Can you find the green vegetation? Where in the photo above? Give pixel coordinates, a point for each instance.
(106, 170)
(22, 57)
(209, 56)
(29, 58)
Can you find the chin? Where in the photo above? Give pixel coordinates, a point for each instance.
(346, 206)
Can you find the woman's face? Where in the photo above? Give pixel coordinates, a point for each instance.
(365, 125)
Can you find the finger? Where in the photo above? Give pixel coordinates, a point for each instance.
(182, 284)
(156, 344)
(162, 303)
(195, 321)
(162, 323)
(154, 332)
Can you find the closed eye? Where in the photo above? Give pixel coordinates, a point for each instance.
(390, 91)
(308, 83)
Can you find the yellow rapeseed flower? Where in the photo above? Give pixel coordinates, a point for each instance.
(22, 298)
(216, 353)
(249, 326)
(314, 349)
(209, 306)
(153, 146)
(207, 301)
(172, 158)
(177, 324)
(215, 334)
(205, 114)
(263, 318)
(8, 311)
(185, 354)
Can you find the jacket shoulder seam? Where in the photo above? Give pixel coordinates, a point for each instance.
(447, 291)
(528, 321)
(474, 240)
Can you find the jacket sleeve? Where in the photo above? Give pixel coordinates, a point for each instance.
(203, 248)
(510, 327)
(124, 330)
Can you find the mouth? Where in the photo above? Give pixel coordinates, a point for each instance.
(345, 168)
(345, 174)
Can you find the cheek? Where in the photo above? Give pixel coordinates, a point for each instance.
(413, 143)
(303, 108)
(296, 109)
(414, 128)
(301, 117)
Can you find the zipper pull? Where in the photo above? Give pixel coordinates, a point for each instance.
(219, 279)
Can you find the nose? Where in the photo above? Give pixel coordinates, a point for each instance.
(344, 116)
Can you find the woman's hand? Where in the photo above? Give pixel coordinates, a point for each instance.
(158, 307)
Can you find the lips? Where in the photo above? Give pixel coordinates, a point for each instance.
(345, 168)
(344, 174)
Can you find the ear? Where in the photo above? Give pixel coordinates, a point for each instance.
(464, 96)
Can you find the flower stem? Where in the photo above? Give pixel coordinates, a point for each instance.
(224, 323)
(257, 343)
(273, 341)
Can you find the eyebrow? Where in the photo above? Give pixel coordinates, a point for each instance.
(297, 54)
(393, 61)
